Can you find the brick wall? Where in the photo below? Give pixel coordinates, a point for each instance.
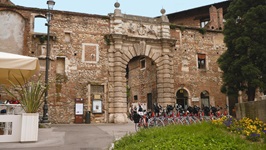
(142, 81)
(80, 40)
(186, 71)
(79, 60)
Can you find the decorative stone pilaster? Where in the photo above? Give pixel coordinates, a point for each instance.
(165, 82)
(165, 25)
(117, 22)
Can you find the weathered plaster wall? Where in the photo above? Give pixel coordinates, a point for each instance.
(12, 27)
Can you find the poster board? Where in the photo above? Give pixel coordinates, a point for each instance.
(79, 104)
(79, 109)
(97, 106)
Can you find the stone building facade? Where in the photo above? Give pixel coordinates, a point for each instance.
(116, 60)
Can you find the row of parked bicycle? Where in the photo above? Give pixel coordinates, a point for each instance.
(175, 115)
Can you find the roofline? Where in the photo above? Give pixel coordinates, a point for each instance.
(201, 7)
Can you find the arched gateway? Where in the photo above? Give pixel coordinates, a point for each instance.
(133, 36)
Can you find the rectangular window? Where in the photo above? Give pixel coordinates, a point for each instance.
(60, 65)
(142, 63)
(97, 89)
(201, 61)
(60, 74)
(67, 37)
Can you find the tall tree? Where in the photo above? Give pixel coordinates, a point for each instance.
(244, 62)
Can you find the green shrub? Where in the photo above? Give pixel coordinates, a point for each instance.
(29, 94)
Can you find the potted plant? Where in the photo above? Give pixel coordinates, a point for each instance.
(30, 96)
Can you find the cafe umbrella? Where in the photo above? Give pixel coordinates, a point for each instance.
(14, 67)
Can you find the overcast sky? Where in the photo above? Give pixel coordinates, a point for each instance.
(149, 8)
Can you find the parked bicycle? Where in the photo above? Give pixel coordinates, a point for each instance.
(167, 115)
(155, 119)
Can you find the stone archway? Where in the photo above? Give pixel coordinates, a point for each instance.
(118, 60)
(133, 36)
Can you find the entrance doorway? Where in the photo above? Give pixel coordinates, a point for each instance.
(182, 98)
(205, 99)
(141, 78)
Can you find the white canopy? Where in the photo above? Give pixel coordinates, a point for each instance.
(13, 65)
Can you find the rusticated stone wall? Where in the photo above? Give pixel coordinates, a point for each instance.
(78, 58)
(90, 53)
(186, 71)
(80, 41)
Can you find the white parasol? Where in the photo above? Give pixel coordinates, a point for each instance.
(13, 65)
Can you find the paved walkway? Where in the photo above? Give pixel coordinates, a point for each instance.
(75, 137)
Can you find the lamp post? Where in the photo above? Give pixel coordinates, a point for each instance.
(50, 4)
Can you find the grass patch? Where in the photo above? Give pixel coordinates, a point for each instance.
(197, 137)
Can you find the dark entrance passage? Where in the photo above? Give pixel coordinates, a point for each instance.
(205, 99)
(182, 98)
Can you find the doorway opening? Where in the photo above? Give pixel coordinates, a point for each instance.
(182, 98)
(141, 76)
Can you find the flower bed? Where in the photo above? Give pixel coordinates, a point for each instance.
(253, 130)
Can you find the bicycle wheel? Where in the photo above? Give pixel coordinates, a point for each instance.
(170, 121)
(159, 123)
(184, 121)
(207, 118)
(151, 122)
(178, 121)
(196, 119)
(191, 120)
